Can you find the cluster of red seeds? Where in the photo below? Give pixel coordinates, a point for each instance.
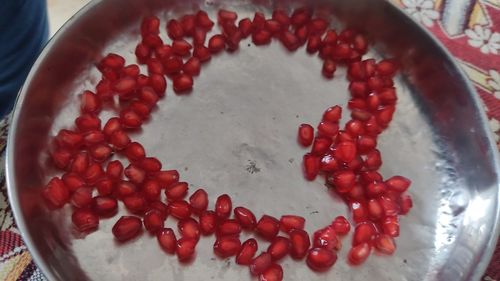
(93, 183)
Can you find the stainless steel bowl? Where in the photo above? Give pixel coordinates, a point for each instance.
(244, 111)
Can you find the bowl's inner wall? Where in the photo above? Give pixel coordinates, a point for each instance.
(455, 192)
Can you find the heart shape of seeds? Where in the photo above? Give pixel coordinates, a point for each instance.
(93, 183)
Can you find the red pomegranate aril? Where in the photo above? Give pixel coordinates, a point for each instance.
(259, 21)
(181, 47)
(387, 96)
(406, 203)
(174, 30)
(333, 114)
(300, 243)
(345, 151)
(300, 17)
(104, 206)
(245, 27)
(317, 26)
(100, 152)
(93, 137)
(127, 228)
(80, 163)
(261, 37)
(189, 228)
(355, 128)
(93, 173)
(167, 178)
(273, 273)
(311, 165)
(291, 222)
(302, 33)
(228, 227)
(135, 152)
(135, 203)
(370, 177)
(384, 115)
(111, 126)
(202, 53)
(216, 43)
(272, 26)
(389, 207)
(135, 174)
(208, 222)
(267, 227)
(358, 255)
(386, 68)
(152, 40)
(73, 181)
(61, 157)
(260, 263)
(305, 135)
(142, 52)
(166, 239)
(149, 98)
(223, 206)
(375, 210)
(155, 66)
(82, 197)
(114, 169)
(125, 85)
(186, 248)
(328, 163)
(341, 225)
(103, 90)
(398, 184)
(160, 207)
(125, 188)
(179, 209)
(119, 139)
(132, 70)
(329, 68)
(227, 246)
(90, 103)
(313, 44)
(342, 136)
(183, 83)
(366, 144)
(56, 193)
(150, 164)
(203, 21)
(279, 248)
(173, 65)
(112, 60)
(326, 238)
(325, 52)
(373, 160)
(359, 212)
(158, 83)
(385, 244)
(245, 217)
(341, 52)
(85, 220)
(153, 221)
(87, 122)
(320, 145)
(143, 80)
(281, 17)
(358, 89)
(247, 252)
(390, 226)
(151, 190)
(343, 180)
(321, 259)
(188, 23)
(289, 40)
(176, 191)
(192, 66)
(199, 201)
(226, 15)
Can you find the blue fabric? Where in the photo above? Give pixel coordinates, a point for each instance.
(23, 33)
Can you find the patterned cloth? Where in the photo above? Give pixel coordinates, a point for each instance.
(469, 29)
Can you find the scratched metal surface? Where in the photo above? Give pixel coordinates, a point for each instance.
(236, 134)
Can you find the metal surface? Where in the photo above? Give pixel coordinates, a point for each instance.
(242, 115)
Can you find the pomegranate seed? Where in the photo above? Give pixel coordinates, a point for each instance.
(105, 186)
(174, 30)
(333, 114)
(150, 25)
(328, 129)
(135, 174)
(167, 178)
(359, 254)
(135, 152)
(245, 27)
(311, 165)
(188, 23)
(155, 66)
(72, 181)
(345, 151)
(355, 128)
(158, 83)
(216, 43)
(317, 26)
(279, 248)
(329, 68)
(227, 246)
(302, 34)
(300, 243)
(358, 89)
(203, 21)
(148, 99)
(328, 163)
(223, 206)
(119, 139)
(125, 188)
(364, 232)
(388, 96)
(160, 207)
(179, 209)
(398, 184)
(61, 158)
(313, 44)
(183, 83)
(85, 220)
(305, 135)
(375, 189)
(166, 239)
(343, 181)
(93, 173)
(325, 52)
(225, 15)
(105, 206)
(93, 137)
(357, 193)
(90, 103)
(300, 17)
(289, 40)
(366, 144)
(202, 53)
(103, 90)
(189, 228)
(127, 228)
(192, 67)
(359, 213)
(273, 273)
(152, 40)
(142, 52)
(390, 226)
(153, 221)
(385, 244)
(291, 222)
(341, 52)
(56, 193)
(384, 115)
(100, 152)
(199, 201)
(228, 227)
(208, 222)
(259, 21)
(321, 259)
(326, 238)
(135, 203)
(114, 169)
(330, 38)
(245, 217)
(113, 61)
(82, 197)
(360, 43)
(341, 225)
(386, 68)
(150, 164)
(173, 65)
(125, 85)
(247, 252)
(370, 176)
(406, 204)
(260, 263)
(111, 126)
(373, 160)
(177, 191)
(185, 249)
(261, 37)
(88, 122)
(181, 47)
(281, 17)
(267, 227)
(80, 163)
(389, 207)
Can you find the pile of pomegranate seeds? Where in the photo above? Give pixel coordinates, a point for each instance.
(94, 184)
